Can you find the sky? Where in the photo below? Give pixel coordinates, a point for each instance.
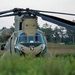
(67, 6)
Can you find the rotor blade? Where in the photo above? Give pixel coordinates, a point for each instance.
(58, 21)
(8, 15)
(13, 14)
(55, 12)
(13, 10)
(3, 12)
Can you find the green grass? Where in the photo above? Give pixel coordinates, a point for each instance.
(15, 65)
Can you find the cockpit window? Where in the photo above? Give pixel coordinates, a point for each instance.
(38, 38)
(30, 39)
(22, 39)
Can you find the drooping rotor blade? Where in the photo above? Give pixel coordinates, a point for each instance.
(13, 10)
(13, 14)
(3, 12)
(8, 15)
(55, 12)
(58, 21)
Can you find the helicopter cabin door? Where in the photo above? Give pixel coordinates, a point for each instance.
(29, 26)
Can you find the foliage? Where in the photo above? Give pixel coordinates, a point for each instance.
(59, 34)
(15, 65)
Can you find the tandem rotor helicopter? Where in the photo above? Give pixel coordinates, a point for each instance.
(27, 39)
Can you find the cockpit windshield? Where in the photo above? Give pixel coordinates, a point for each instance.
(30, 39)
(22, 39)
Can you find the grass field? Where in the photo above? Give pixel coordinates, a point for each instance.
(16, 65)
(61, 48)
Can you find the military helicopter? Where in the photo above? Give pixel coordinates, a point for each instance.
(27, 39)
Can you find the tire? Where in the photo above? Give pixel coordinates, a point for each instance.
(2, 46)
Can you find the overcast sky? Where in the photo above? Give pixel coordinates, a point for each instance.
(49, 5)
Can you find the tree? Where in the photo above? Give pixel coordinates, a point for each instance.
(48, 31)
(71, 34)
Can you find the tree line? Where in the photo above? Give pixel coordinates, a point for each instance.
(59, 34)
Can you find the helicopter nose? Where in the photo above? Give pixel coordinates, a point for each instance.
(32, 48)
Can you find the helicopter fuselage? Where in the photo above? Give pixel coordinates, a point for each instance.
(27, 39)
(22, 43)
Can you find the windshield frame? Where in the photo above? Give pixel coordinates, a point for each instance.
(29, 39)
